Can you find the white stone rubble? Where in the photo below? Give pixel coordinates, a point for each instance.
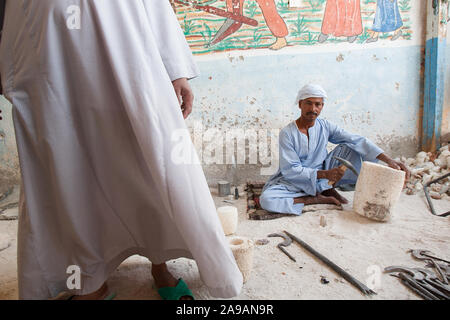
(428, 166)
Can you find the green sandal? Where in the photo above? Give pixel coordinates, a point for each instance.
(111, 296)
(175, 293)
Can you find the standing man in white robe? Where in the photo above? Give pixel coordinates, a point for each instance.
(96, 88)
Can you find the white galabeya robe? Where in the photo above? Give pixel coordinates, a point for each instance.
(94, 111)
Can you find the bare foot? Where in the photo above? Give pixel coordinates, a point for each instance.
(322, 199)
(100, 294)
(396, 35)
(333, 193)
(163, 278)
(319, 199)
(279, 44)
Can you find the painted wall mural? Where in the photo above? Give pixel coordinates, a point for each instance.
(224, 25)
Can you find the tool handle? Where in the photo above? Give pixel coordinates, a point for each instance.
(363, 288)
(341, 167)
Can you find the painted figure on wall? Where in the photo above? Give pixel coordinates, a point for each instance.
(387, 19)
(342, 18)
(226, 25)
(273, 20)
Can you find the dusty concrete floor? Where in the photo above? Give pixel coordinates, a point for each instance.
(360, 246)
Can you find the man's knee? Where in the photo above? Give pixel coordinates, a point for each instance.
(263, 200)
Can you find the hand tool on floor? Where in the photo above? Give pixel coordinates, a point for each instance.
(287, 242)
(427, 255)
(363, 288)
(413, 288)
(419, 279)
(408, 281)
(444, 267)
(427, 196)
(431, 278)
(418, 276)
(345, 164)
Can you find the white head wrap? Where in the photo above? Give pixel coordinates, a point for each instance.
(311, 91)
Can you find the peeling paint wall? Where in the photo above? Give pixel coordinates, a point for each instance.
(445, 132)
(9, 161)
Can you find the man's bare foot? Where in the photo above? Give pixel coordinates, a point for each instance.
(100, 294)
(319, 199)
(333, 193)
(163, 278)
(279, 44)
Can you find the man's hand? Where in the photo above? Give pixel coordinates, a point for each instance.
(395, 165)
(184, 94)
(333, 175)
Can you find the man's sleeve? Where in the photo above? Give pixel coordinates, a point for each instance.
(292, 169)
(366, 148)
(172, 44)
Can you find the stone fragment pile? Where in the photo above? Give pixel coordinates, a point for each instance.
(426, 167)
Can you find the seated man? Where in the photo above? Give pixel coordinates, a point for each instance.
(305, 165)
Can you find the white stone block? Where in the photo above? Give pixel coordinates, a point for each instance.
(228, 216)
(377, 191)
(242, 249)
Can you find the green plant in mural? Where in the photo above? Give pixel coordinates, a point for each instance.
(283, 5)
(404, 5)
(257, 34)
(310, 38)
(316, 5)
(207, 35)
(230, 43)
(364, 36)
(251, 9)
(385, 35)
(369, 1)
(299, 26)
(189, 26)
(406, 31)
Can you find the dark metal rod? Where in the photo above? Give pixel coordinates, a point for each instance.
(363, 288)
(427, 196)
(287, 253)
(413, 283)
(407, 284)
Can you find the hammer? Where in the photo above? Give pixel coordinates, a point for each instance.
(345, 164)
